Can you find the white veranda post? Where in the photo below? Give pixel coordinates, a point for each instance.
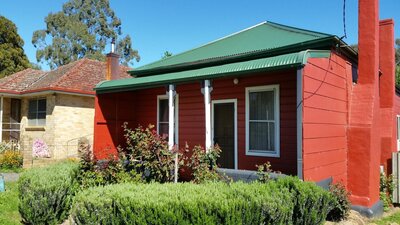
(171, 116)
(171, 127)
(207, 105)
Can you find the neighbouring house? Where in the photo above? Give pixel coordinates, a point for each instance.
(56, 107)
(304, 101)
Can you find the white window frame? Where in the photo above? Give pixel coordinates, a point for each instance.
(176, 130)
(37, 112)
(264, 153)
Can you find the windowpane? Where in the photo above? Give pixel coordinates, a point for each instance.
(163, 110)
(42, 105)
(37, 112)
(261, 105)
(32, 106)
(258, 136)
(163, 128)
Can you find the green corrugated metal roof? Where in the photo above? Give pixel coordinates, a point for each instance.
(272, 63)
(264, 36)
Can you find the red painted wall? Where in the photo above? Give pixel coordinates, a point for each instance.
(387, 93)
(326, 84)
(140, 107)
(225, 89)
(364, 128)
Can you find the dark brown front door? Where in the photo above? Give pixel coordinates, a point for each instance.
(224, 133)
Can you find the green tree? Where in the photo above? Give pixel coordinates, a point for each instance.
(83, 28)
(12, 55)
(166, 55)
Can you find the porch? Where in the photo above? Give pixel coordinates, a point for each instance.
(10, 120)
(253, 118)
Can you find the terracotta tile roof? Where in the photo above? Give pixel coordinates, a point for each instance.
(79, 77)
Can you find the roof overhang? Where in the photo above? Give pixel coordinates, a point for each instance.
(45, 91)
(275, 63)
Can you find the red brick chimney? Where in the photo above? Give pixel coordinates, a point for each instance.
(364, 129)
(387, 92)
(112, 72)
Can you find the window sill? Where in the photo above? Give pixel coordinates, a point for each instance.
(263, 154)
(38, 128)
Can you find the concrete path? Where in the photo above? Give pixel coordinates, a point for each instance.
(10, 177)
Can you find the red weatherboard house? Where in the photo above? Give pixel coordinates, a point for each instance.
(302, 100)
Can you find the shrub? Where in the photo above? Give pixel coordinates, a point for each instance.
(386, 189)
(45, 194)
(10, 159)
(40, 149)
(203, 164)
(147, 153)
(311, 203)
(184, 203)
(341, 203)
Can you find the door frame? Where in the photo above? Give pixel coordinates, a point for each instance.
(234, 101)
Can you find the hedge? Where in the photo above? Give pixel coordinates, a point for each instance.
(45, 194)
(286, 201)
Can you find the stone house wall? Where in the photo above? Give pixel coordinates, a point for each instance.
(68, 117)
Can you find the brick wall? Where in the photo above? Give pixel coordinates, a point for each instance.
(68, 118)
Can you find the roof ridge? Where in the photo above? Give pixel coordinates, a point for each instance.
(44, 73)
(296, 29)
(211, 42)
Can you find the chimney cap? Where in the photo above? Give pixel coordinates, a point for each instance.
(113, 45)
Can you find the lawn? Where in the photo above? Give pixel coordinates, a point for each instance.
(9, 214)
(394, 218)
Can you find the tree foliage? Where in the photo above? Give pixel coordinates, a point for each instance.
(83, 28)
(166, 55)
(12, 55)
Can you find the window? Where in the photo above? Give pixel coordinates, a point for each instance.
(163, 116)
(262, 121)
(37, 112)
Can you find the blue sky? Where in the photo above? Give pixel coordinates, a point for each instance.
(178, 25)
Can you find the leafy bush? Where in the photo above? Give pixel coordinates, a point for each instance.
(183, 203)
(285, 201)
(203, 164)
(10, 159)
(341, 203)
(147, 153)
(45, 194)
(386, 189)
(311, 203)
(40, 149)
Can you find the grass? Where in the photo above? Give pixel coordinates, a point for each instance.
(13, 170)
(394, 218)
(9, 214)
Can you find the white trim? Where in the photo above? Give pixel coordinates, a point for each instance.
(171, 116)
(299, 119)
(163, 97)
(1, 118)
(276, 153)
(234, 101)
(207, 106)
